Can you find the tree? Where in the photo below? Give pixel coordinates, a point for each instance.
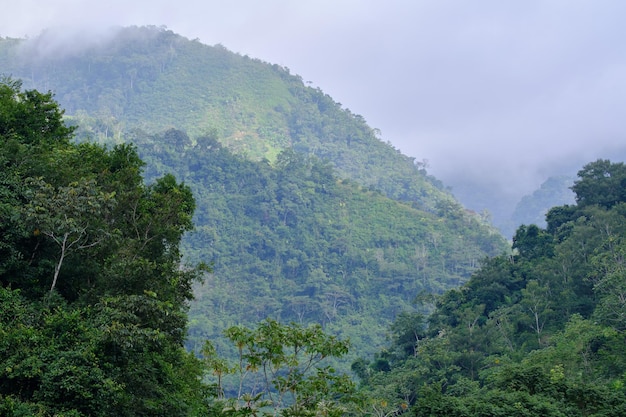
(33, 117)
(602, 183)
(610, 286)
(535, 307)
(532, 242)
(280, 366)
(408, 330)
(73, 217)
(177, 138)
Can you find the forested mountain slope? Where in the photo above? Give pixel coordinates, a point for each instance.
(305, 213)
(93, 295)
(294, 242)
(538, 333)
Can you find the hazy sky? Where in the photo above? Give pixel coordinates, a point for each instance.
(489, 88)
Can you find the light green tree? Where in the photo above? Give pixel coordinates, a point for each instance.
(281, 370)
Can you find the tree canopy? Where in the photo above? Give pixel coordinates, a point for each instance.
(92, 294)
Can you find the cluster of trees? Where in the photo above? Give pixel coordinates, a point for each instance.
(280, 370)
(540, 332)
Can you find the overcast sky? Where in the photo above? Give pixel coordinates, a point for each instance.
(488, 88)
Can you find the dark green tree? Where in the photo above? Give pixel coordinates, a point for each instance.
(532, 242)
(601, 182)
(93, 295)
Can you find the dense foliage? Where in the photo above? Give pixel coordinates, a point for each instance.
(537, 333)
(92, 297)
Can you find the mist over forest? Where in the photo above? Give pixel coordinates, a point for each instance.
(186, 230)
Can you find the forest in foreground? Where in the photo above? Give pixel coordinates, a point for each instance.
(95, 298)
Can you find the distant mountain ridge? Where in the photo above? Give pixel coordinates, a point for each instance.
(532, 209)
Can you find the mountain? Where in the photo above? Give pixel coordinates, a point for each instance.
(532, 209)
(507, 210)
(306, 215)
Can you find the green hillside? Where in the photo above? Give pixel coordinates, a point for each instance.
(306, 215)
(94, 297)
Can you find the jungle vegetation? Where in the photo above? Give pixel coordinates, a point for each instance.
(233, 247)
